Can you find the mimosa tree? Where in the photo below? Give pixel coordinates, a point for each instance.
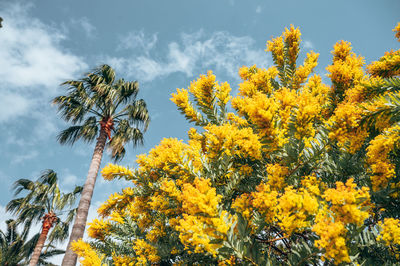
(300, 173)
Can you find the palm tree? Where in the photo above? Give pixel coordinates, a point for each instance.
(15, 249)
(100, 106)
(44, 201)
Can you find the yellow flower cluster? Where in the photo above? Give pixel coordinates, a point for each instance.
(200, 197)
(294, 208)
(88, 256)
(123, 260)
(145, 253)
(111, 171)
(313, 185)
(263, 112)
(292, 41)
(344, 125)
(166, 156)
(346, 206)
(116, 201)
(98, 228)
(201, 221)
(242, 204)
(256, 79)
(275, 46)
(308, 111)
(318, 90)
(203, 89)
(347, 202)
(181, 99)
(346, 70)
(397, 30)
(236, 120)
(231, 140)
(222, 92)
(378, 157)
(276, 176)
(264, 199)
(332, 238)
(303, 71)
(387, 66)
(156, 232)
(390, 231)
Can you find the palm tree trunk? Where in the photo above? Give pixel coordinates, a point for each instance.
(83, 208)
(48, 221)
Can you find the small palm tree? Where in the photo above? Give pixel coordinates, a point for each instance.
(100, 106)
(15, 248)
(44, 201)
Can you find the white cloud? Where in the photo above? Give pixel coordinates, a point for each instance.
(258, 9)
(308, 44)
(24, 157)
(12, 105)
(33, 62)
(194, 53)
(69, 180)
(138, 40)
(84, 24)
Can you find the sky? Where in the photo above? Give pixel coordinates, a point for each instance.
(164, 45)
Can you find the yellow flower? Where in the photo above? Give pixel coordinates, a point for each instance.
(397, 30)
(390, 231)
(302, 72)
(222, 92)
(292, 40)
(98, 228)
(347, 202)
(387, 66)
(346, 70)
(181, 99)
(111, 171)
(203, 89)
(230, 140)
(88, 256)
(378, 157)
(332, 238)
(294, 208)
(276, 48)
(145, 253)
(276, 176)
(265, 201)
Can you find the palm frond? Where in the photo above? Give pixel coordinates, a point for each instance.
(87, 131)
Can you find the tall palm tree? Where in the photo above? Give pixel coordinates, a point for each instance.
(100, 106)
(15, 248)
(44, 201)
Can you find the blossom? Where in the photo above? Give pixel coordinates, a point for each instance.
(88, 255)
(382, 168)
(111, 171)
(145, 252)
(397, 30)
(390, 233)
(98, 228)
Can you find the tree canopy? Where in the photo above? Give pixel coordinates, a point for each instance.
(297, 172)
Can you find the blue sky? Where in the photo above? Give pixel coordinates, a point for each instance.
(162, 44)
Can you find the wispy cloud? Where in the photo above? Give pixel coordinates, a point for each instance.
(308, 44)
(84, 24)
(193, 53)
(24, 157)
(138, 40)
(33, 62)
(258, 9)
